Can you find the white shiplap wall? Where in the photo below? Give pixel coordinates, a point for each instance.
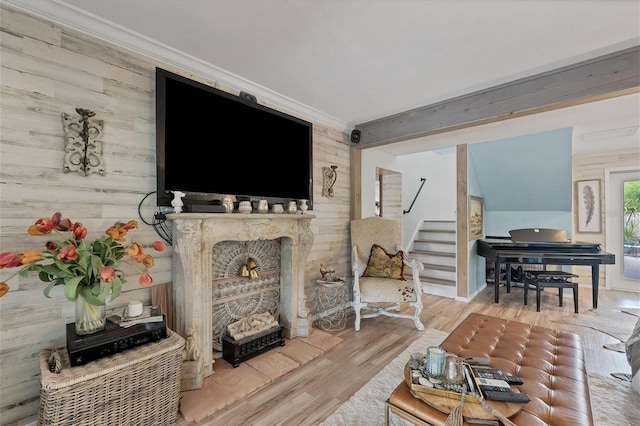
(47, 70)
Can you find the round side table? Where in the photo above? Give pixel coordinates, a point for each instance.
(331, 298)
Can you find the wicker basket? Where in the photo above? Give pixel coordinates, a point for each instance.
(139, 386)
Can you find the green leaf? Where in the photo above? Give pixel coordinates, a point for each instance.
(71, 288)
(116, 287)
(48, 288)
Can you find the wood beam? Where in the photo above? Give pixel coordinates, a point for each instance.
(604, 77)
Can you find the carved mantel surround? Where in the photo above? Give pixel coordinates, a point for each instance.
(194, 235)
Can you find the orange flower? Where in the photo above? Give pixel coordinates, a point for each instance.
(145, 279)
(41, 227)
(136, 251)
(148, 261)
(116, 233)
(68, 253)
(4, 288)
(31, 256)
(107, 274)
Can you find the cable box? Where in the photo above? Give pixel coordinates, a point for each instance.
(113, 339)
(204, 208)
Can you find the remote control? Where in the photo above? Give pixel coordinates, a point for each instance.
(477, 361)
(492, 373)
(506, 396)
(513, 380)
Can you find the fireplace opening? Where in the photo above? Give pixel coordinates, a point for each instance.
(245, 285)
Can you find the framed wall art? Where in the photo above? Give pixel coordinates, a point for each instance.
(588, 204)
(476, 217)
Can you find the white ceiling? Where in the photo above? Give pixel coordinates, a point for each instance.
(353, 61)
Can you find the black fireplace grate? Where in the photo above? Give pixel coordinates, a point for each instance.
(237, 351)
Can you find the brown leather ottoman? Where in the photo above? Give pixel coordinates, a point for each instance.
(550, 362)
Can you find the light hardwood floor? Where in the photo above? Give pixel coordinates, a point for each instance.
(311, 393)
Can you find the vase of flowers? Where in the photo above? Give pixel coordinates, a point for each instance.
(89, 271)
(89, 318)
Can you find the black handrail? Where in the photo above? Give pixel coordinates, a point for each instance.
(423, 180)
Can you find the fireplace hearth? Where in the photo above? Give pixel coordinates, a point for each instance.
(194, 238)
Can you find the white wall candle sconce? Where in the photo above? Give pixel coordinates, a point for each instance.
(329, 177)
(83, 143)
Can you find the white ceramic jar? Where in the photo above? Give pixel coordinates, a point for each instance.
(245, 207)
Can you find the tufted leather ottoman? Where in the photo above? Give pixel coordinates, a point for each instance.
(550, 362)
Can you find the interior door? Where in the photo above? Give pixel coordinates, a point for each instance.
(625, 273)
(389, 197)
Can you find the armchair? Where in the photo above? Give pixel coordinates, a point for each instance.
(379, 266)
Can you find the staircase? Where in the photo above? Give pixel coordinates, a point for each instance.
(435, 247)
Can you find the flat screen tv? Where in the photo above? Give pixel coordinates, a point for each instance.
(210, 143)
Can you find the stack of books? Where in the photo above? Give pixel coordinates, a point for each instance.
(152, 313)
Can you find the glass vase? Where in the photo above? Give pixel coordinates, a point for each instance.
(89, 318)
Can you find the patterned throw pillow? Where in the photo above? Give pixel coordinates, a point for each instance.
(384, 265)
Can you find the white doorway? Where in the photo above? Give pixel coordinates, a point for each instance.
(625, 273)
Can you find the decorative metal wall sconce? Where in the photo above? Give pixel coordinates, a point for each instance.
(329, 177)
(83, 143)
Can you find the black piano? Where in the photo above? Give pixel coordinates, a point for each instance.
(529, 247)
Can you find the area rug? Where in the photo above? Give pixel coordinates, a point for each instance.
(366, 406)
(613, 400)
(618, 323)
(228, 384)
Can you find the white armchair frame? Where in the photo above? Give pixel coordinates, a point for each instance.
(386, 233)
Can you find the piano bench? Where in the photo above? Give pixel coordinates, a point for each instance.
(550, 279)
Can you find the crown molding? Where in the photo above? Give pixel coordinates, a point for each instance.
(76, 19)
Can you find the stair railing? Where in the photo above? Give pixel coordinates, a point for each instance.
(423, 180)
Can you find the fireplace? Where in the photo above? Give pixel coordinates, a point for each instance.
(194, 238)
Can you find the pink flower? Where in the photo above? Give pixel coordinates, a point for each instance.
(68, 253)
(158, 246)
(79, 231)
(9, 260)
(107, 274)
(145, 279)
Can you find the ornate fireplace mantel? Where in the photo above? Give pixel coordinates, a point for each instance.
(194, 235)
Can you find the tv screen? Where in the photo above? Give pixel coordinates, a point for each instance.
(210, 143)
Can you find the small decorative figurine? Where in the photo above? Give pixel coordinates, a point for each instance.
(177, 201)
(323, 272)
(227, 202)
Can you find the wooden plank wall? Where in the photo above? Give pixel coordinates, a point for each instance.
(47, 70)
(593, 166)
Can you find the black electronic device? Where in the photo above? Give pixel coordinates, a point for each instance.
(492, 373)
(113, 339)
(211, 143)
(502, 396)
(204, 208)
